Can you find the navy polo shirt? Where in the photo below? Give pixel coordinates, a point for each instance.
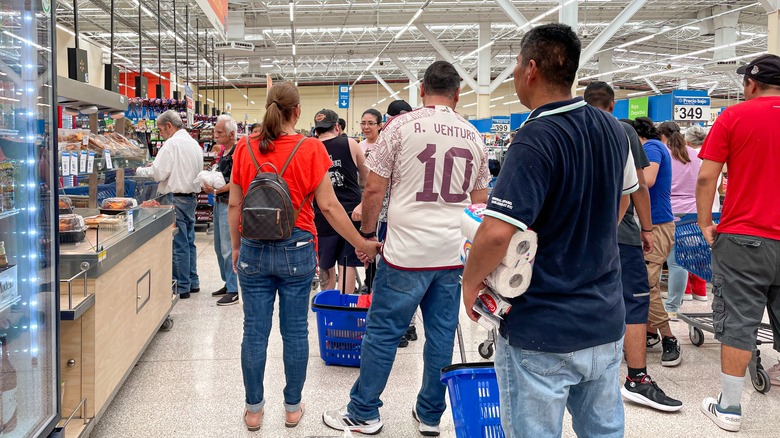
(563, 177)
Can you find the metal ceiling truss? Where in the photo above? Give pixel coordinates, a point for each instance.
(342, 40)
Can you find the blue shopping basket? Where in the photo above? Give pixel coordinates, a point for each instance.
(474, 400)
(691, 250)
(340, 327)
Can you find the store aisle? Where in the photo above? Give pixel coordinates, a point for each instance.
(188, 383)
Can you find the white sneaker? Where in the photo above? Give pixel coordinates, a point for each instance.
(425, 429)
(727, 419)
(673, 316)
(342, 420)
(700, 297)
(687, 297)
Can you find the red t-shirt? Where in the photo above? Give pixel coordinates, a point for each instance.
(305, 172)
(747, 138)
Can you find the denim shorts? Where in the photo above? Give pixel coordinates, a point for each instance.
(745, 281)
(636, 290)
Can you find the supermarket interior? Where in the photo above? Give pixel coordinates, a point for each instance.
(146, 130)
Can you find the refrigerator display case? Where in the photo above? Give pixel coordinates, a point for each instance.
(29, 389)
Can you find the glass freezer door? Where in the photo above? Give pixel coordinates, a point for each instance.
(28, 287)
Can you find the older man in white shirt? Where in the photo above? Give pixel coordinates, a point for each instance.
(176, 167)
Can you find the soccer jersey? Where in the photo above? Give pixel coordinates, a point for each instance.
(434, 159)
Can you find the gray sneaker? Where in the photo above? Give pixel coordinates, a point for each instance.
(727, 419)
(425, 429)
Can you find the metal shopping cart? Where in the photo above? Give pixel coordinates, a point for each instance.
(694, 254)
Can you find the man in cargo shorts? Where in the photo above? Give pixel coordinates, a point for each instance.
(746, 242)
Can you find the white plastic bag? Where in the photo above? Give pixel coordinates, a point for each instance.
(214, 178)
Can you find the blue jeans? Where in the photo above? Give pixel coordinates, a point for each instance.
(397, 293)
(185, 270)
(265, 267)
(678, 279)
(223, 248)
(535, 387)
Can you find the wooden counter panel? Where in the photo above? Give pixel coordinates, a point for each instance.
(122, 330)
(70, 348)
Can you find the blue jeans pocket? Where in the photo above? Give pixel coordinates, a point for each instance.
(542, 363)
(249, 260)
(403, 281)
(301, 260)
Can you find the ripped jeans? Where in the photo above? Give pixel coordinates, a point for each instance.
(265, 267)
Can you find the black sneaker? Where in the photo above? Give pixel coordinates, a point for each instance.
(184, 296)
(403, 343)
(228, 299)
(220, 292)
(194, 290)
(652, 339)
(411, 333)
(671, 356)
(646, 392)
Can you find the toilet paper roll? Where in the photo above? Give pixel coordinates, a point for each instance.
(510, 282)
(522, 247)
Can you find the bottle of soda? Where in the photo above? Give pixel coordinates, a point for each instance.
(7, 389)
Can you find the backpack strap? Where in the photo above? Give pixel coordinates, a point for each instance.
(287, 163)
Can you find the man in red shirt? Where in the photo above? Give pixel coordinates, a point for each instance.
(746, 243)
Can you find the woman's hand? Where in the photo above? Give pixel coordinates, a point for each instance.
(368, 250)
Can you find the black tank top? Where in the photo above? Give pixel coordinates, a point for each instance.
(344, 177)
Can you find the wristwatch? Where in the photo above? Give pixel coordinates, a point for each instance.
(367, 235)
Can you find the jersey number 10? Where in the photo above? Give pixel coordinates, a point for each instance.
(427, 158)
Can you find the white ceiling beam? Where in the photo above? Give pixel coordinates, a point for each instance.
(393, 93)
(511, 11)
(402, 67)
(652, 86)
(611, 29)
(465, 76)
(712, 89)
(504, 75)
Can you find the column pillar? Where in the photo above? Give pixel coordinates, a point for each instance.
(414, 92)
(483, 72)
(606, 65)
(773, 32)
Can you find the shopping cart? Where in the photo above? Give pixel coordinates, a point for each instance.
(693, 253)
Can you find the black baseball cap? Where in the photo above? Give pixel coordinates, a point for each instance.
(325, 119)
(765, 68)
(397, 107)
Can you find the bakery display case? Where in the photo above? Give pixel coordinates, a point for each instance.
(115, 294)
(29, 380)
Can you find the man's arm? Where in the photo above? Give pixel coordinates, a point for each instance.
(161, 167)
(706, 186)
(479, 196)
(373, 195)
(623, 207)
(360, 162)
(641, 200)
(489, 247)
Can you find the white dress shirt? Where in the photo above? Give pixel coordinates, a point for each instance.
(177, 165)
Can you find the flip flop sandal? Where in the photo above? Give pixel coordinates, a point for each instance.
(253, 428)
(295, 423)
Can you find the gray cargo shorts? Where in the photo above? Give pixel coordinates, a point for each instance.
(745, 281)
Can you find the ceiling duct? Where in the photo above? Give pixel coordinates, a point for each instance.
(235, 29)
(234, 48)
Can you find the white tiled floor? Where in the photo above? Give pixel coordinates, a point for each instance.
(188, 383)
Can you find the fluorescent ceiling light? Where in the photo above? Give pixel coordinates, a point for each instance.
(293, 50)
(65, 29)
(477, 50)
(466, 93)
(512, 102)
(662, 72)
(471, 104)
(620, 70)
(639, 93)
(497, 98)
(292, 11)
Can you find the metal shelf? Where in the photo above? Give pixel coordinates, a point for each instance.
(9, 213)
(74, 94)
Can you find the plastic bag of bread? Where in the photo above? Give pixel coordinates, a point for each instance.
(214, 178)
(118, 204)
(71, 222)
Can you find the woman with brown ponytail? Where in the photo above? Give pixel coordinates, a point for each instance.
(287, 266)
(685, 171)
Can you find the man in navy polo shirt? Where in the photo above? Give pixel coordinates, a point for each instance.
(563, 177)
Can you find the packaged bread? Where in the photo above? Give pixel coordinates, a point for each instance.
(118, 204)
(100, 220)
(65, 204)
(71, 222)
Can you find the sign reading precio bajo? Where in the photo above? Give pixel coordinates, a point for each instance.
(691, 109)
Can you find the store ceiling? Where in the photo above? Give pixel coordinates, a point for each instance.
(337, 41)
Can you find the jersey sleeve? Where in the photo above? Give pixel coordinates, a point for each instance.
(521, 187)
(630, 181)
(382, 158)
(716, 145)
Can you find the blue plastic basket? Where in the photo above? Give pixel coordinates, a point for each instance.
(474, 400)
(340, 326)
(691, 250)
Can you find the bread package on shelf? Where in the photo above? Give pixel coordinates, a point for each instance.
(72, 228)
(117, 205)
(101, 220)
(65, 204)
